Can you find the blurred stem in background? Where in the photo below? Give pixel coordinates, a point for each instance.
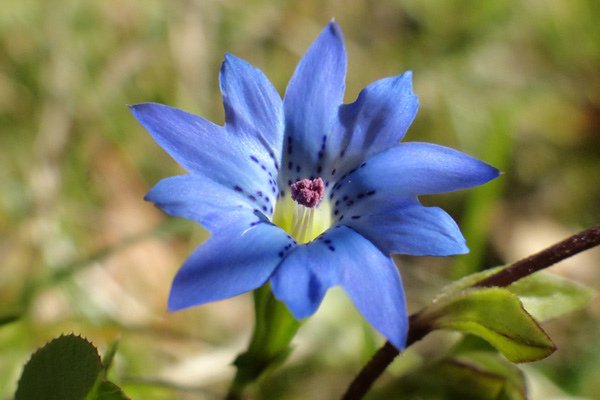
(479, 211)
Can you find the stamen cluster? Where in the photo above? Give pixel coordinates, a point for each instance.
(307, 192)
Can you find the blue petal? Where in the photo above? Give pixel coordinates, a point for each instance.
(413, 229)
(252, 105)
(397, 175)
(210, 150)
(201, 199)
(376, 290)
(311, 102)
(343, 257)
(236, 259)
(376, 121)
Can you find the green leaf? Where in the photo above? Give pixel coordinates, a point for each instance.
(478, 354)
(274, 329)
(110, 391)
(546, 295)
(65, 368)
(513, 379)
(495, 315)
(472, 375)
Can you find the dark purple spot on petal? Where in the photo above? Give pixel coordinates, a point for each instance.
(237, 188)
(355, 216)
(331, 248)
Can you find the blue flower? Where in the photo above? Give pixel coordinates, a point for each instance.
(307, 192)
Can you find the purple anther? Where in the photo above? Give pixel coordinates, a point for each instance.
(308, 192)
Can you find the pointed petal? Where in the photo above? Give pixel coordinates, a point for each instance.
(343, 257)
(201, 199)
(209, 150)
(311, 102)
(375, 288)
(398, 175)
(413, 230)
(376, 121)
(236, 259)
(252, 105)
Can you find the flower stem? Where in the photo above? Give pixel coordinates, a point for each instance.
(269, 346)
(569, 247)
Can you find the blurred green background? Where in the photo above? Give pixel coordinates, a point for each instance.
(516, 83)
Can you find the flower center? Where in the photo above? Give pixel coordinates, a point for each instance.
(308, 193)
(305, 214)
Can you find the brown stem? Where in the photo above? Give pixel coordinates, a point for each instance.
(575, 244)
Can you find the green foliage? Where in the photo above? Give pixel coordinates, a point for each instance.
(68, 68)
(495, 315)
(67, 367)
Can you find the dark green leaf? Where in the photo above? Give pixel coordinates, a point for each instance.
(110, 391)
(495, 315)
(65, 368)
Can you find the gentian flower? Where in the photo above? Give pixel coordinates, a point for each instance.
(307, 192)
